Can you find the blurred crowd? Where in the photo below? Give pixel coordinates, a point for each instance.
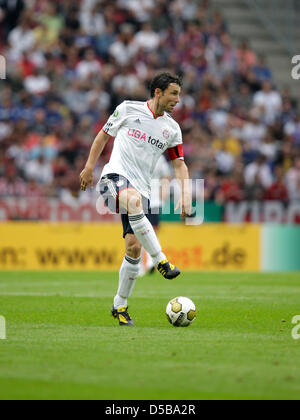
(71, 62)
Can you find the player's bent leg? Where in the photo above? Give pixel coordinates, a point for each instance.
(143, 230)
(128, 274)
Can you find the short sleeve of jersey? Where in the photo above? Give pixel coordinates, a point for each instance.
(115, 121)
(175, 149)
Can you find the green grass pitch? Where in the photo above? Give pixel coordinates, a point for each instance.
(62, 342)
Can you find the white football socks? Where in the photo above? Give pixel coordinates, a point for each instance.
(146, 235)
(127, 278)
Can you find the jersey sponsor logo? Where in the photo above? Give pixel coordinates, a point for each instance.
(157, 143)
(139, 135)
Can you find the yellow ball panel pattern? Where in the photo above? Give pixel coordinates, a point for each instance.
(176, 306)
(191, 315)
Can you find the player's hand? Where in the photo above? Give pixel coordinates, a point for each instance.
(186, 210)
(188, 213)
(86, 178)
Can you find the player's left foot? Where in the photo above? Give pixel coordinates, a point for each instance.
(168, 270)
(123, 316)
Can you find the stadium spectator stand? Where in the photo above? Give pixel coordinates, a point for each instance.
(70, 63)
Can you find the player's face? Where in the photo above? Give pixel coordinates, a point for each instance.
(170, 97)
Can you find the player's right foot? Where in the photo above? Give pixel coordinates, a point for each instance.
(123, 316)
(168, 270)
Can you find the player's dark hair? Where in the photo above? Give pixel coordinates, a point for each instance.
(162, 81)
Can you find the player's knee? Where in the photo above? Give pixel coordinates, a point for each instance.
(131, 200)
(135, 204)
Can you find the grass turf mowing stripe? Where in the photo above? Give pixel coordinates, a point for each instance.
(63, 344)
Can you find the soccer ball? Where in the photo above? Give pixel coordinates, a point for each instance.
(181, 311)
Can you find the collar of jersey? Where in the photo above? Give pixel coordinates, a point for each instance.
(157, 116)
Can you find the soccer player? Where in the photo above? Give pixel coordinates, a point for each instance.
(143, 131)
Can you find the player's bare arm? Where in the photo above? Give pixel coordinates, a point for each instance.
(86, 176)
(182, 175)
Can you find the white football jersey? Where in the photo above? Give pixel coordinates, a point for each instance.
(162, 170)
(140, 140)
